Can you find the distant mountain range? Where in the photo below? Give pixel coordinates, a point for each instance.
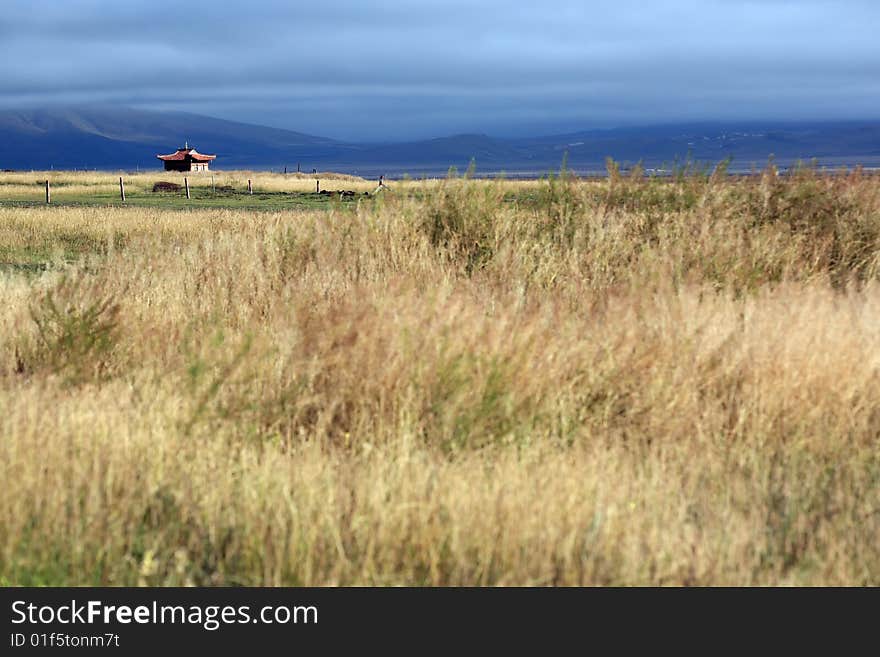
(124, 138)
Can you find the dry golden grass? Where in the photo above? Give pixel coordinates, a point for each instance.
(625, 382)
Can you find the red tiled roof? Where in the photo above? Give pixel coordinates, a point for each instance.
(182, 154)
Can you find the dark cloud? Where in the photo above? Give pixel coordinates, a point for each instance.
(407, 68)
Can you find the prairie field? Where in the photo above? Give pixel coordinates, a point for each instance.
(627, 381)
(208, 189)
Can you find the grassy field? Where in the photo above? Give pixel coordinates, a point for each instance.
(220, 189)
(557, 382)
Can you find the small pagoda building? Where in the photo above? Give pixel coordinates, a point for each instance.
(186, 159)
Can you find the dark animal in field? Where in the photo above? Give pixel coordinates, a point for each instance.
(338, 192)
(166, 187)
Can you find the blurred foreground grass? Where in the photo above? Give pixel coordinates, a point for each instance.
(554, 382)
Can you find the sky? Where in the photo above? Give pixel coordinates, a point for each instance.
(375, 70)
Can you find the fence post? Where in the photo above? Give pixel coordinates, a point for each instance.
(317, 186)
(250, 188)
(48, 192)
(121, 189)
(213, 189)
(186, 184)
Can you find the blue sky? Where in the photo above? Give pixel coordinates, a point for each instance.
(414, 68)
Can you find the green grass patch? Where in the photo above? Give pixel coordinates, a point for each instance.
(199, 199)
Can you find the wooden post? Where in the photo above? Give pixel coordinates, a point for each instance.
(250, 187)
(121, 189)
(317, 187)
(186, 184)
(297, 167)
(213, 189)
(48, 192)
